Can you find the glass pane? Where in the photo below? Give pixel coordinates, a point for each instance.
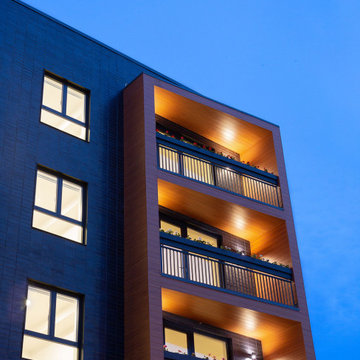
(57, 226)
(37, 310)
(52, 94)
(62, 124)
(39, 349)
(71, 202)
(208, 346)
(198, 235)
(46, 191)
(75, 104)
(66, 317)
(170, 228)
(175, 341)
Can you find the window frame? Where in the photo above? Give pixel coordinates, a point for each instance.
(184, 225)
(52, 313)
(190, 336)
(65, 85)
(60, 178)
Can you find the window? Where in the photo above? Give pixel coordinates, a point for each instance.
(175, 341)
(51, 325)
(170, 228)
(207, 345)
(199, 235)
(58, 207)
(65, 107)
(201, 345)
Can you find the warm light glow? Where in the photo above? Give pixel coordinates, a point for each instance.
(27, 302)
(253, 356)
(228, 134)
(267, 234)
(253, 143)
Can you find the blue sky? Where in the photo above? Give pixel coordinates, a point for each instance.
(293, 63)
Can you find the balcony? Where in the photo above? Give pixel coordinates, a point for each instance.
(201, 165)
(224, 270)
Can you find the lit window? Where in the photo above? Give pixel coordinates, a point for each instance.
(175, 341)
(190, 342)
(51, 325)
(198, 235)
(209, 346)
(65, 107)
(170, 228)
(58, 207)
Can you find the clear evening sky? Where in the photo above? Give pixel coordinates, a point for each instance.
(293, 63)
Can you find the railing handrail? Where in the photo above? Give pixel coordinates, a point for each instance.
(218, 159)
(202, 168)
(226, 255)
(214, 273)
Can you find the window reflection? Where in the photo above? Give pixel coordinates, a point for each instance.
(75, 104)
(66, 317)
(52, 94)
(37, 310)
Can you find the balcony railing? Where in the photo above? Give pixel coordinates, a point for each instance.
(221, 269)
(215, 170)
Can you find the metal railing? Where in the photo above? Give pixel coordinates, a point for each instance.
(208, 271)
(226, 178)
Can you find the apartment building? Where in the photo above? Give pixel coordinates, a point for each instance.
(139, 219)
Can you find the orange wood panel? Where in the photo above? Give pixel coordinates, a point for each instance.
(281, 338)
(135, 249)
(249, 140)
(142, 298)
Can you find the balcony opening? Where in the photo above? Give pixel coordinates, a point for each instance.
(194, 340)
(244, 331)
(265, 234)
(185, 153)
(201, 254)
(220, 131)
